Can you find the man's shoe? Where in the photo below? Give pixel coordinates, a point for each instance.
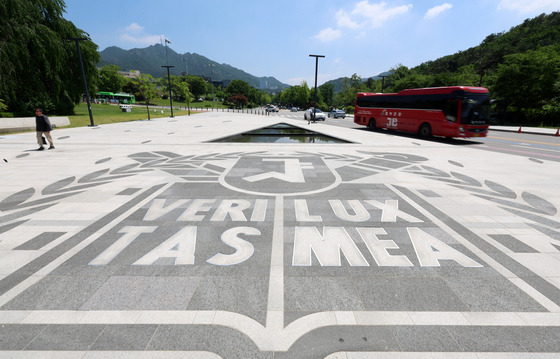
(51, 147)
(41, 148)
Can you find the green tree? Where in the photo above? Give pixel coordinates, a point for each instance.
(286, 97)
(371, 84)
(219, 93)
(38, 68)
(132, 86)
(396, 75)
(147, 89)
(238, 87)
(302, 95)
(265, 98)
(350, 88)
(412, 80)
(469, 75)
(254, 96)
(298, 95)
(110, 79)
(327, 93)
(528, 79)
(210, 91)
(185, 93)
(197, 85)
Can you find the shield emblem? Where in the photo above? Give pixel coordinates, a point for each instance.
(280, 175)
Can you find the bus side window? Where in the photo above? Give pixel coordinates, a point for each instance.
(452, 110)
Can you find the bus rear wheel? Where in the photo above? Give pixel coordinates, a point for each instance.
(371, 125)
(425, 131)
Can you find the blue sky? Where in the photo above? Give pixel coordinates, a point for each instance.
(275, 38)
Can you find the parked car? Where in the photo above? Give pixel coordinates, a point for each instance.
(271, 108)
(294, 109)
(320, 115)
(337, 114)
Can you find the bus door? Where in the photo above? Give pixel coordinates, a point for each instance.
(452, 120)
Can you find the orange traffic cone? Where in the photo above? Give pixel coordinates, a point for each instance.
(519, 131)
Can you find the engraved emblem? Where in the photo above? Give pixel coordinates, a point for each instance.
(285, 175)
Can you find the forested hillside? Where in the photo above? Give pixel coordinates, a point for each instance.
(521, 67)
(533, 34)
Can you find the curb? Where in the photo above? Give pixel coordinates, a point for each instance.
(529, 130)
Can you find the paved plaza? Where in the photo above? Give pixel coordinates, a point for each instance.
(147, 240)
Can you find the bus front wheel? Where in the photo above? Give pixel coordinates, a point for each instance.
(425, 131)
(371, 125)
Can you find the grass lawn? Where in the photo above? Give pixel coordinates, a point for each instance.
(105, 113)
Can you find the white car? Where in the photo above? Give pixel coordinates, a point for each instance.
(320, 115)
(271, 108)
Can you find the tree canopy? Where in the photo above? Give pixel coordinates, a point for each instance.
(298, 95)
(110, 79)
(38, 68)
(238, 87)
(529, 80)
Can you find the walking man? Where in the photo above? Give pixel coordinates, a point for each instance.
(43, 128)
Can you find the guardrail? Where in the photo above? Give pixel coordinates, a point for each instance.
(253, 111)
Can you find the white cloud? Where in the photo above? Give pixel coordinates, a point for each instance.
(375, 15)
(141, 40)
(134, 27)
(295, 81)
(363, 16)
(135, 34)
(529, 6)
(344, 20)
(328, 34)
(437, 10)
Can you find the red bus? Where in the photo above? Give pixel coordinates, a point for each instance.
(455, 111)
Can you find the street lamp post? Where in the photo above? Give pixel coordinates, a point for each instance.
(77, 41)
(316, 70)
(169, 85)
(383, 75)
(168, 77)
(213, 97)
(186, 76)
(212, 86)
(382, 83)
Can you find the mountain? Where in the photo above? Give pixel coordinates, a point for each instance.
(150, 59)
(337, 84)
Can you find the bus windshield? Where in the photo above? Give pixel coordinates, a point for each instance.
(475, 109)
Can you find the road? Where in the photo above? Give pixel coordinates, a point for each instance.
(532, 146)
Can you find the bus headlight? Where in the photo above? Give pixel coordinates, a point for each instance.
(461, 129)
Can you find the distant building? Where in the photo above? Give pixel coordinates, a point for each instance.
(132, 74)
(223, 83)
